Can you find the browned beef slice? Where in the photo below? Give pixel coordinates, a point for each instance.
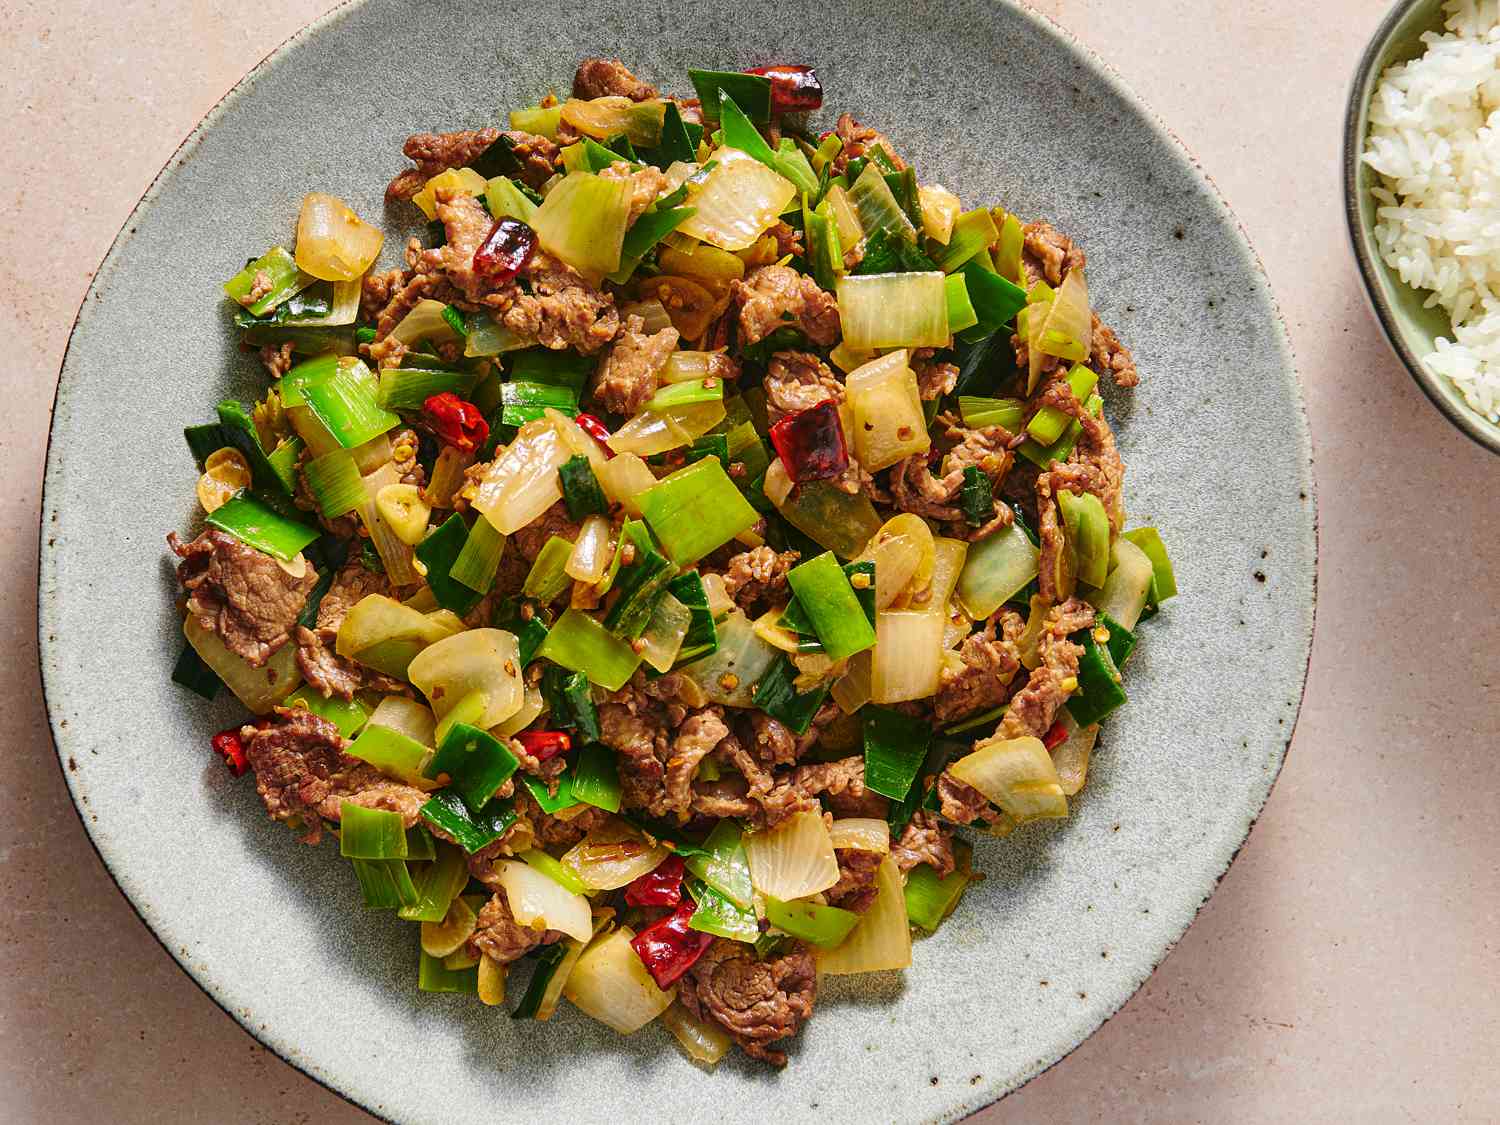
(775, 297)
(645, 185)
(1034, 708)
(754, 576)
(528, 541)
(990, 663)
(798, 381)
(757, 1002)
(602, 78)
(562, 310)
(698, 734)
(628, 374)
(330, 673)
(1047, 254)
(243, 595)
(934, 379)
(500, 937)
(436, 152)
(799, 790)
(856, 888)
(961, 803)
(925, 839)
(1108, 356)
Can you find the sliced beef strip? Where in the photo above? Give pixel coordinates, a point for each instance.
(1047, 254)
(934, 378)
(603, 78)
(437, 152)
(627, 376)
(757, 1002)
(245, 596)
(858, 140)
(925, 839)
(775, 297)
(799, 790)
(645, 185)
(856, 888)
(755, 577)
(990, 665)
(961, 803)
(500, 937)
(798, 381)
(696, 738)
(467, 224)
(1108, 356)
(321, 666)
(1033, 709)
(562, 310)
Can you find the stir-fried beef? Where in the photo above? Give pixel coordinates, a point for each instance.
(990, 665)
(925, 839)
(775, 297)
(856, 888)
(627, 376)
(245, 596)
(603, 78)
(798, 381)
(757, 1002)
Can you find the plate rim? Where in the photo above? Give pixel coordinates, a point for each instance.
(989, 1095)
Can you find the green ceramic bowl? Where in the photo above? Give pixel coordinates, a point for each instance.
(1410, 327)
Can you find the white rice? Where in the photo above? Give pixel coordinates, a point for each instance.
(1435, 141)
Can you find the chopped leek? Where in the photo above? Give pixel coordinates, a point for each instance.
(831, 517)
(477, 563)
(961, 312)
(996, 301)
(828, 599)
(722, 864)
(641, 584)
(1043, 456)
(476, 763)
(1099, 691)
(976, 499)
(349, 715)
(686, 394)
(929, 897)
(702, 638)
(973, 231)
(385, 883)
(645, 233)
(237, 429)
(894, 310)
(1164, 581)
(580, 643)
(434, 976)
(740, 134)
(662, 638)
(749, 92)
(486, 336)
(255, 523)
(438, 884)
(1087, 532)
(596, 781)
(1048, 423)
(525, 623)
(345, 402)
(335, 483)
(570, 702)
(895, 747)
(717, 914)
(439, 552)
(877, 208)
(1007, 413)
(370, 833)
(582, 220)
(524, 402)
(193, 673)
(996, 569)
(506, 201)
(446, 811)
(676, 144)
(1127, 590)
(696, 510)
(550, 801)
(777, 696)
(822, 926)
(391, 752)
(548, 577)
(730, 674)
(280, 273)
(407, 388)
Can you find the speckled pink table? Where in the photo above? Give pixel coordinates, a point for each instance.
(1346, 970)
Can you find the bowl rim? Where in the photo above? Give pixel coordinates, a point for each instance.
(1470, 422)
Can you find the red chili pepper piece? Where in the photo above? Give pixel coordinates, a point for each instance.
(668, 948)
(456, 422)
(544, 744)
(793, 88)
(1056, 735)
(811, 443)
(661, 886)
(596, 430)
(504, 251)
(227, 743)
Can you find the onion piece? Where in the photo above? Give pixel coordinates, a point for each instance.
(1017, 775)
(737, 201)
(486, 661)
(610, 983)
(882, 939)
(465, 181)
(844, 217)
(534, 898)
(653, 313)
(1070, 757)
(609, 116)
(406, 716)
(907, 662)
(1067, 331)
(651, 432)
(940, 208)
(689, 367)
(702, 1040)
(894, 310)
(1123, 595)
(793, 860)
(522, 482)
(719, 601)
(852, 690)
(425, 321)
(612, 856)
(865, 834)
(948, 557)
(995, 570)
(582, 221)
(888, 422)
(591, 553)
(903, 553)
(778, 484)
(532, 705)
(378, 620)
(730, 674)
(624, 478)
(668, 628)
(333, 243)
(439, 939)
(259, 689)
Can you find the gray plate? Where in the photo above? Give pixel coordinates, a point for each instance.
(989, 100)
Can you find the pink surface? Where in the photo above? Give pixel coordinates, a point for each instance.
(1346, 969)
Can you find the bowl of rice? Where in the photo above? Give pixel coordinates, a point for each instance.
(1422, 196)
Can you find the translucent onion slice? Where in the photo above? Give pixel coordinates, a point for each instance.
(903, 553)
(737, 201)
(844, 217)
(259, 689)
(575, 439)
(940, 208)
(662, 639)
(894, 310)
(624, 478)
(888, 423)
(1067, 331)
(609, 116)
(1017, 775)
(1070, 757)
(719, 601)
(491, 981)
(464, 181)
(477, 660)
(611, 984)
(793, 860)
(591, 553)
(882, 940)
(333, 243)
(343, 310)
(948, 557)
(865, 834)
(852, 690)
(701, 1041)
(653, 313)
(689, 367)
(439, 939)
(907, 663)
(730, 674)
(995, 570)
(1123, 595)
(612, 856)
(376, 618)
(522, 482)
(532, 705)
(651, 432)
(582, 220)
(876, 206)
(425, 322)
(407, 716)
(542, 903)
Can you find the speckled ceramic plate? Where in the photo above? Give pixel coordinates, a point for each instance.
(991, 101)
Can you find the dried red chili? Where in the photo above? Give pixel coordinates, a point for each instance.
(668, 948)
(596, 430)
(456, 422)
(811, 443)
(544, 744)
(793, 88)
(227, 744)
(661, 886)
(1056, 735)
(504, 251)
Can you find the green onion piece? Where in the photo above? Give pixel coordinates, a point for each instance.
(961, 312)
(696, 510)
(880, 155)
(531, 631)
(686, 394)
(580, 643)
(973, 722)
(438, 884)
(831, 517)
(823, 926)
(646, 232)
(996, 568)
(739, 133)
(370, 833)
(709, 445)
(346, 402)
(675, 144)
(535, 119)
(973, 231)
(284, 458)
(1099, 690)
(525, 402)
(1086, 526)
(549, 960)
(455, 319)
(506, 201)
(1048, 423)
(479, 559)
(976, 499)
(570, 702)
(895, 747)
(1148, 539)
(557, 368)
(641, 584)
(1043, 455)
(877, 207)
(580, 488)
(204, 440)
(748, 92)
(255, 523)
(1008, 413)
(447, 812)
(1121, 641)
(385, 883)
(903, 187)
(930, 899)
(547, 578)
(420, 844)
(389, 751)
(777, 697)
(596, 780)
(306, 340)
(476, 762)
(335, 483)
(191, 672)
(548, 802)
(596, 157)
(996, 301)
(434, 976)
(828, 599)
(407, 388)
(792, 165)
(824, 252)
(349, 715)
(239, 431)
(1008, 253)
(439, 553)
(702, 636)
(281, 271)
(554, 870)
(718, 915)
(723, 865)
